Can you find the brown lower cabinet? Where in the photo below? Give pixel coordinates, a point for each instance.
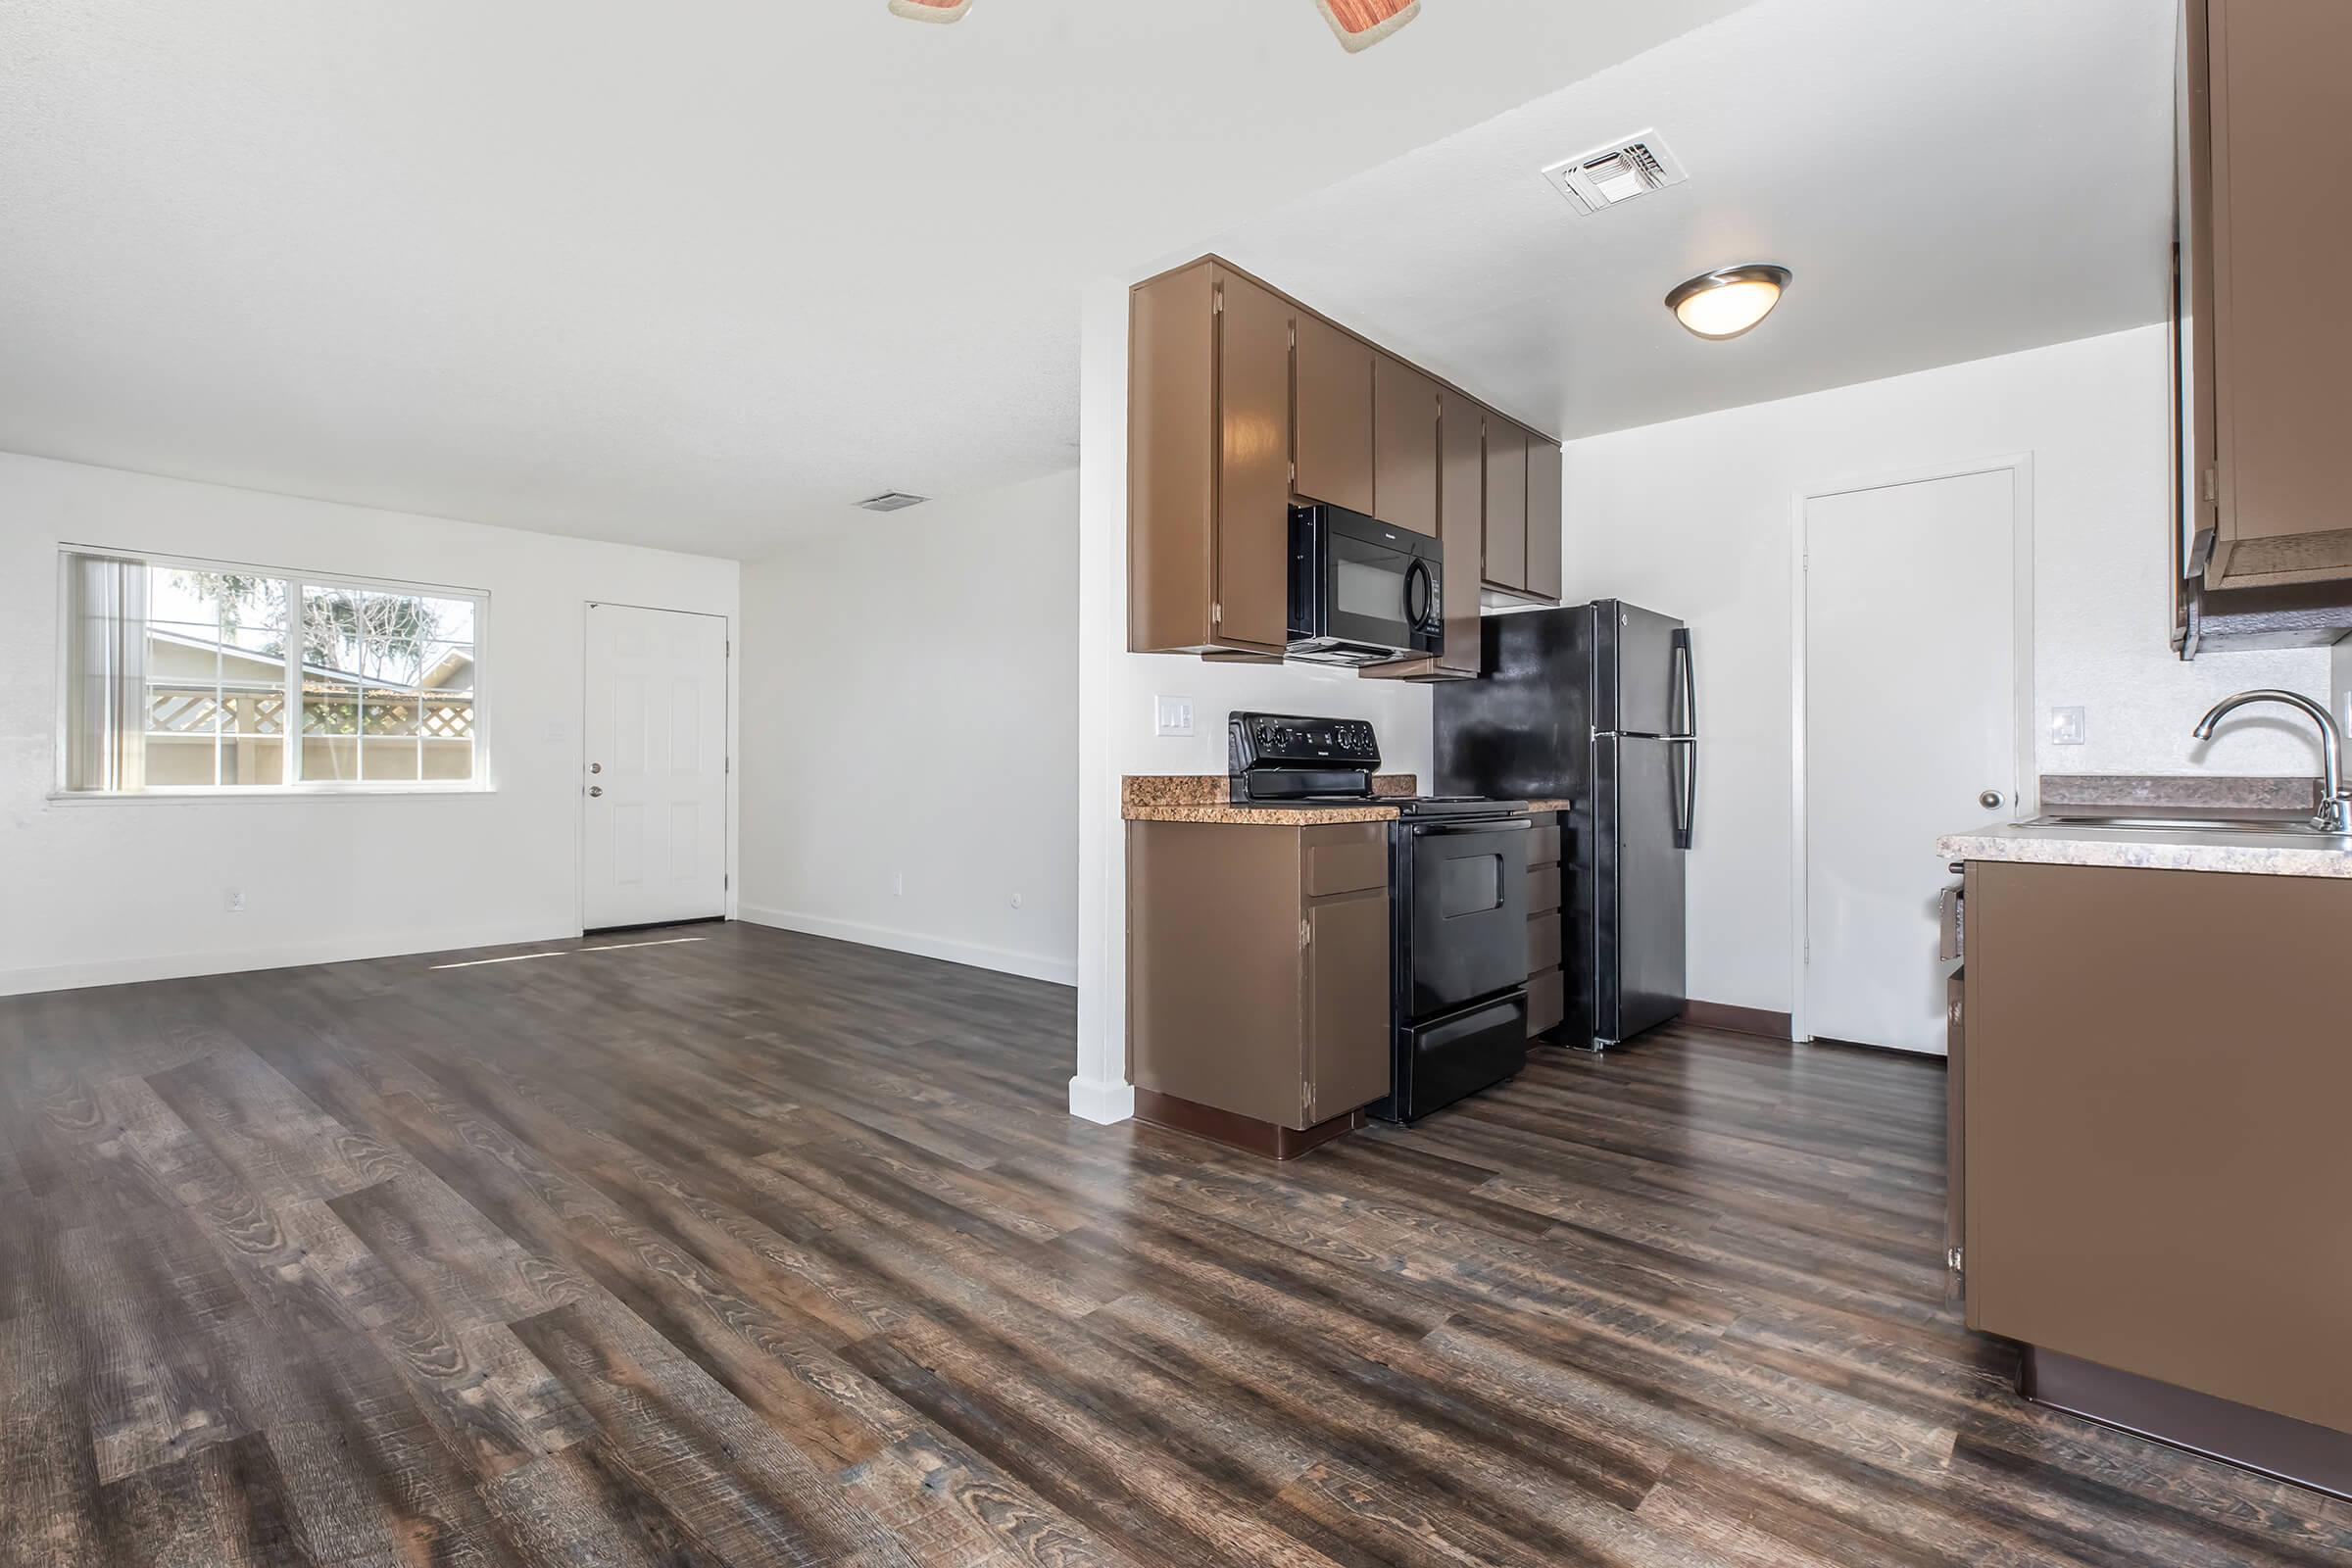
(1258, 978)
(2155, 1161)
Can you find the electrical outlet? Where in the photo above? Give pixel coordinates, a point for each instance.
(897, 884)
(2068, 727)
(1172, 716)
(233, 900)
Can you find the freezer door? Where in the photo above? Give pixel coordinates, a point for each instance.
(1519, 731)
(1637, 927)
(1640, 675)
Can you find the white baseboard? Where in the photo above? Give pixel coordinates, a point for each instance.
(1032, 965)
(1106, 1103)
(286, 956)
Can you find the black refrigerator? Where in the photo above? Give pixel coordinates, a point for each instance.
(1596, 705)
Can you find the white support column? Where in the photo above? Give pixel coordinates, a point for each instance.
(1100, 1090)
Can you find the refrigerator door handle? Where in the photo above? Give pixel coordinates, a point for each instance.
(1686, 789)
(1685, 686)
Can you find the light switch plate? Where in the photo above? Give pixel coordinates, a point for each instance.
(2068, 726)
(1172, 716)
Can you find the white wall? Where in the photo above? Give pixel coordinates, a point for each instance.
(1117, 691)
(1693, 519)
(104, 891)
(913, 707)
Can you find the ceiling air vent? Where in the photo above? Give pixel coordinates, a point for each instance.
(1610, 176)
(892, 501)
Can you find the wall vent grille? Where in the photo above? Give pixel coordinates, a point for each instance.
(1616, 173)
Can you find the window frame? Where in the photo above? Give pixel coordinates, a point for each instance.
(291, 784)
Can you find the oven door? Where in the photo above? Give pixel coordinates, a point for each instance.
(1362, 587)
(1467, 919)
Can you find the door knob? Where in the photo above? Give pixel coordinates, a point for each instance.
(1991, 800)
(596, 767)
(596, 789)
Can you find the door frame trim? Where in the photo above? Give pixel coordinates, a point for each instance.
(579, 841)
(2025, 784)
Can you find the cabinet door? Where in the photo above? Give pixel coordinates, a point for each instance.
(1348, 1044)
(1254, 465)
(1462, 525)
(1543, 519)
(2156, 1173)
(1404, 446)
(1506, 504)
(2280, 124)
(1334, 417)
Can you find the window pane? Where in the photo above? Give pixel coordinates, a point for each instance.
(448, 761)
(331, 728)
(330, 756)
(250, 759)
(446, 715)
(388, 713)
(182, 707)
(389, 761)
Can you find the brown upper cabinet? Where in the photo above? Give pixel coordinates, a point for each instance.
(1335, 416)
(1404, 446)
(1240, 402)
(2266, 156)
(1543, 519)
(1506, 506)
(1208, 465)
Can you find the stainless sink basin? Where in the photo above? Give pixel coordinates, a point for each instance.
(2301, 827)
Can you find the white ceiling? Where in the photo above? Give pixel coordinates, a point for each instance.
(1947, 181)
(693, 275)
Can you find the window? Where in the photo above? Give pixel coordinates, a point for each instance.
(183, 676)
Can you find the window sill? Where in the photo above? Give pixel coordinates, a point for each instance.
(185, 797)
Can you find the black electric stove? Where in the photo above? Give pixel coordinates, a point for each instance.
(1458, 904)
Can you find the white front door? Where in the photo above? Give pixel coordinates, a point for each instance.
(656, 766)
(1910, 726)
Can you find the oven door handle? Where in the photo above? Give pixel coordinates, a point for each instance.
(1518, 824)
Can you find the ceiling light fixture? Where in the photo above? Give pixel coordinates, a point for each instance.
(1730, 300)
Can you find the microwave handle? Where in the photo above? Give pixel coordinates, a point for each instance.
(1419, 620)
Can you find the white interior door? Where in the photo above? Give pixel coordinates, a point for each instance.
(1911, 723)
(656, 766)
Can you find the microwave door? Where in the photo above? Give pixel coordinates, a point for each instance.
(1366, 588)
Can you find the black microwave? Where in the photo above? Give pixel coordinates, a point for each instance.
(1362, 590)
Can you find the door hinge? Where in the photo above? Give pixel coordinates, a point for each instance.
(1216, 300)
(1952, 1259)
(1306, 933)
(730, 648)
(730, 765)
(1216, 613)
(2213, 484)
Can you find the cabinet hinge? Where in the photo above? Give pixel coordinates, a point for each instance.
(1216, 613)
(1952, 1259)
(2213, 484)
(1306, 933)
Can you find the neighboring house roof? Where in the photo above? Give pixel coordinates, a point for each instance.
(454, 667)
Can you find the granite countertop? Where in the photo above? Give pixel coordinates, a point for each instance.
(1203, 798)
(2158, 848)
(2165, 846)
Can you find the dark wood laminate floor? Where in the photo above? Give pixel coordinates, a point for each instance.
(759, 1248)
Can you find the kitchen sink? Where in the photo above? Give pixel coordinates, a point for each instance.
(2294, 827)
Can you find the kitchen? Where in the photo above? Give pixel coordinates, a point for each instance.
(1281, 1063)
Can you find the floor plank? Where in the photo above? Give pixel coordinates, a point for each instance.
(760, 1249)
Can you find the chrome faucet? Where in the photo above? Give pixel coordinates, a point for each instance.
(2335, 809)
